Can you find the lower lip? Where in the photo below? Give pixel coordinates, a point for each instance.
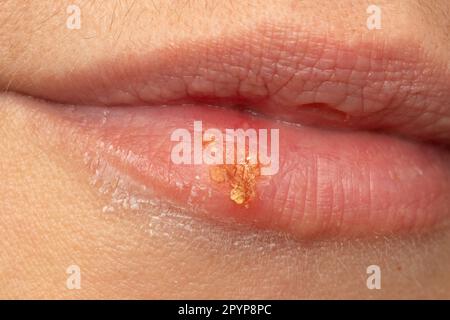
(329, 183)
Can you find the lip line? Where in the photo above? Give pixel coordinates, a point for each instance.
(131, 81)
(249, 111)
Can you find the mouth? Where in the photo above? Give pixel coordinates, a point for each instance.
(363, 130)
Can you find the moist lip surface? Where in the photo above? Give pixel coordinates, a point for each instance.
(350, 118)
(330, 182)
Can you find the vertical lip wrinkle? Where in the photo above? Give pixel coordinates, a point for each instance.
(282, 72)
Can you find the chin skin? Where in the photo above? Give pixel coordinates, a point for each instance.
(52, 215)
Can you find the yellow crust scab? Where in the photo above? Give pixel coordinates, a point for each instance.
(240, 177)
(217, 174)
(237, 194)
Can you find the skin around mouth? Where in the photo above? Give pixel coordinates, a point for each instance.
(90, 183)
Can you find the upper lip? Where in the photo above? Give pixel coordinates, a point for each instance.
(397, 88)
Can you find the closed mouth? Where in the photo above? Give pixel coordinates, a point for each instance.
(363, 131)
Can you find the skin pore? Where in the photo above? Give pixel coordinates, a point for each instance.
(53, 216)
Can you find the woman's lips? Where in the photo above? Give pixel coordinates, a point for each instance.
(341, 181)
(329, 182)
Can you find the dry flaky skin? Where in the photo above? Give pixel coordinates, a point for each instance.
(241, 178)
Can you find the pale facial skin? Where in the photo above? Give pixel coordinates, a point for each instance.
(51, 216)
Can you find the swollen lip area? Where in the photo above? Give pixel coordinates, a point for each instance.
(329, 183)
